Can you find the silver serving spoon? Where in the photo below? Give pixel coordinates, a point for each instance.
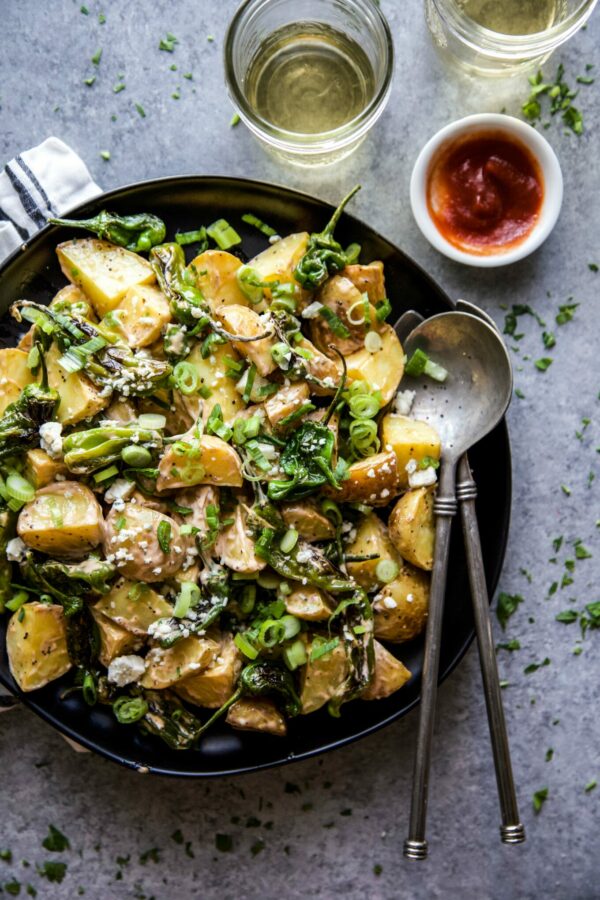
(463, 409)
(511, 829)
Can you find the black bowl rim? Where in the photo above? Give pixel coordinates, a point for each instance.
(231, 181)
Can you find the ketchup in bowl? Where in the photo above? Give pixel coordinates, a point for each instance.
(484, 192)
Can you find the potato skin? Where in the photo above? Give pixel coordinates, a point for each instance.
(257, 714)
(114, 639)
(369, 279)
(407, 618)
(389, 675)
(236, 548)
(63, 519)
(371, 537)
(245, 322)
(36, 644)
(310, 523)
(137, 541)
(308, 603)
(212, 687)
(409, 439)
(381, 370)
(321, 678)
(14, 375)
(217, 463)
(412, 528)
(377, 489)
(188, 656)
(133, 608)
(215, 272)
(339, 294)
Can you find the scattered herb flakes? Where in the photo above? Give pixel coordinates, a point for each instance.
(224, 843)
(517, 310)
(210, 38)
(173, 67)
(533, 667)
(89, 81)
(101, 19)
(123, 860)
(377, 869)
(577, 651)
(291, 788)
(253, 822)
(565, 313)
(31, 891)
(557, 543)
(177, 836)
(543, 363)
(257, 847)
(553, 588)
(513, 644)
(6, 855)
(504, 684)
(568, 616)
(506, 606)
(590, 786)
(188, 75)
(151, 855)
(117, 88)
(519, 393)
(12, 887)
(140, 109)
(168, 43)
(84, 10)
(176, 95)
(235, 120)
(105, 154)
(539, 798)
(188, 850)
(97, 56)
(548, 339)
(593, 267)
(549, 754)
(561, 98)
(56, 841)
(306, 807)
(566, 490)
(581, 552)
(526, 574)
(53, 871)
(345, 812)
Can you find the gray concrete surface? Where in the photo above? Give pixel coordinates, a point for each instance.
(311, 848)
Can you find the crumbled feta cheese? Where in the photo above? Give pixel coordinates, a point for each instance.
(410, 598)
(125, 669)
(389, 603)
(371, 473)
(411, 466)
(303, 556)
(274, 238)
(51, 440)
(16, 550)
(385, 493)
(403, 402)
(312, 310)
(120, 489)
(423, 478)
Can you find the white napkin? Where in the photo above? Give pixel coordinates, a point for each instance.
(45, 181)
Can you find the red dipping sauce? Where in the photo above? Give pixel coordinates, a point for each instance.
(485, 192)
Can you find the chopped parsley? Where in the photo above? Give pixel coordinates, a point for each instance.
(590, 786)
(549, 754)
(566, 490)
(593, 267)
(140, 110)
(117, 88)
(101, 19)
(56, 841)
(257, 847)
(565, 313)
(153, 855)
(53, 871)
(105, 154)
(12, 887)
(224, 843)
(568, 616)
(6, 855)
(168, 43)
(539, 798)
(533, 667)
(506, 606)
(97, 56)
(544, 363)
(177, 836)
(513, 644)
(235, 120)
(89, 81)
(377, 869)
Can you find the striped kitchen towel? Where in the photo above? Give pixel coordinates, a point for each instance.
(47, 180)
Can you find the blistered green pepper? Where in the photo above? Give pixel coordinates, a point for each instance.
(139, 232)
(324, 255)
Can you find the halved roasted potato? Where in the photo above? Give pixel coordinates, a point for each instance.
(286, 401)
(142, 314)
(373, 480)
(63, 519)
(135, 539)
(72, 296)
(187, 657)
(102, 270)
(215, 684)
(235, 547)
(14, 375)
(308, 603)
(114, 639)
(412, 527)
(371, 538)
(409, 439)
(134, 606)
(277, 262)
(215, 273)
(214, 463)
(368, 279)
(389, 675)
(326, 369)
(257, 714)
(383, 369)
(321, 678)
(310, 523)
(245, 322)
(36, 644)
(400, 609)
(79, 398)
(345, 302)
(211, 372)
(40, 469)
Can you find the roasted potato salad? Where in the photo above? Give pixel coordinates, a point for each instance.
(214, 504)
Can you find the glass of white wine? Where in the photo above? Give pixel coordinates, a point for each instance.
(503, 37)
(309, 77)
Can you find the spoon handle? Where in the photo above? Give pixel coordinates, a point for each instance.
(511, 830)
(415, 846)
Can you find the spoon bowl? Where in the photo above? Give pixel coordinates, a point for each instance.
(477, 391)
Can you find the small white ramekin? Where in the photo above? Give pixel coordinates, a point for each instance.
(552, 187)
